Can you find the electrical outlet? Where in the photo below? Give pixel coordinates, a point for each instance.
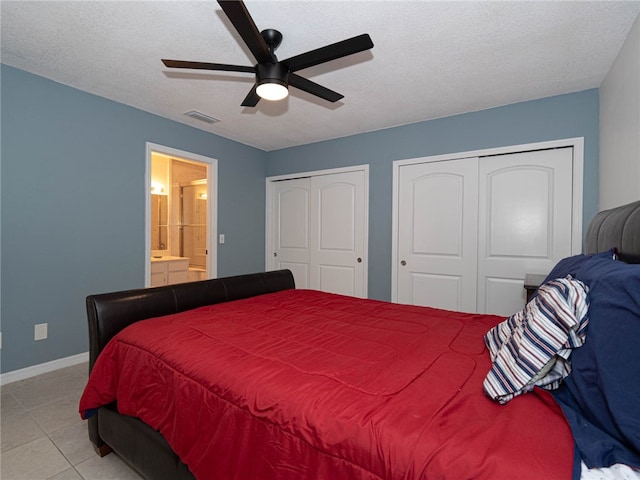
(40, 331)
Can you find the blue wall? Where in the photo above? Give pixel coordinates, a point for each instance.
(73, 202)
(72, 194)
(565, 116)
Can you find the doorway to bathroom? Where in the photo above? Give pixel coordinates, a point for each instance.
(181, 216)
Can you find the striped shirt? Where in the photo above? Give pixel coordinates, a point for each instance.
(532, 347)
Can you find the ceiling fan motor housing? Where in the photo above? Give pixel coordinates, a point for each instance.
(272, 73)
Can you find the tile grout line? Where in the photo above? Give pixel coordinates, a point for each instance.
(45, 434)
(21, 411)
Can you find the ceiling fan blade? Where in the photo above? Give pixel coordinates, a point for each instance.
(243, 23)
(329, 52)
(313, 88)
(207, 66)
(252, 98)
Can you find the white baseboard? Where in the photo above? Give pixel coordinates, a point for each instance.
(34, 370)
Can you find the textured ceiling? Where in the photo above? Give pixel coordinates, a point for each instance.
(431, 58)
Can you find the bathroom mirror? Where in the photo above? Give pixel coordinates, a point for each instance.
(159, 222)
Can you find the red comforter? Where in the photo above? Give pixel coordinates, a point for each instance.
(305, 384)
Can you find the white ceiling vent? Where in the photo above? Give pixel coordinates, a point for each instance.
(201, 116)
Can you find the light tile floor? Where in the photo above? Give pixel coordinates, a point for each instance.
(43, 436)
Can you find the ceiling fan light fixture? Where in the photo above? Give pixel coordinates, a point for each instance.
(272, 90)
(271, 81)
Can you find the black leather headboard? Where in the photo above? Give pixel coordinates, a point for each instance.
(108, 313)
(617, 227)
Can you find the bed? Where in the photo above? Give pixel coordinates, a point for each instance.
(247, 377)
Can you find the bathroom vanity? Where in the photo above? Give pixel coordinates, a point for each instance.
(167, 270)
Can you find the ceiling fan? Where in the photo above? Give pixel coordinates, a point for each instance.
(273, 76)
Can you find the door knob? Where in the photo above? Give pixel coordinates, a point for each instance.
(275, 254)
(403, 263)
(359, 260)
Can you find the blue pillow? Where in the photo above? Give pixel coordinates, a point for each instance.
(600, 398)
(571, 265)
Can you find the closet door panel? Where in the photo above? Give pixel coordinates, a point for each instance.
(525, 220)
(338, 233)
(336, 279)
(437, 234)
(290, 228)
(517, 211)
(440, 291)
(431, 216)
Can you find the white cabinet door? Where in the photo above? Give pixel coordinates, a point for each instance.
(158, 273)
(437, 234)
(525, 218)
(318, 231)
(170, 271)
(177, 271)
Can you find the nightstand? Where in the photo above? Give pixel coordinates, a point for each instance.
(531, 283)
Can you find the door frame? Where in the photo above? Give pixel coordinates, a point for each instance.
(212, 205)
(290, 176)
(577, 143)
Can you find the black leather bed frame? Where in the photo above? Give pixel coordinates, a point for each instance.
(138, 444)
(144, 448)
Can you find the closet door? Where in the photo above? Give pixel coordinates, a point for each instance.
(525, 219)
(437, 234)
(319, 231)
(290, 222)
(470, 229)
(338, 233)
